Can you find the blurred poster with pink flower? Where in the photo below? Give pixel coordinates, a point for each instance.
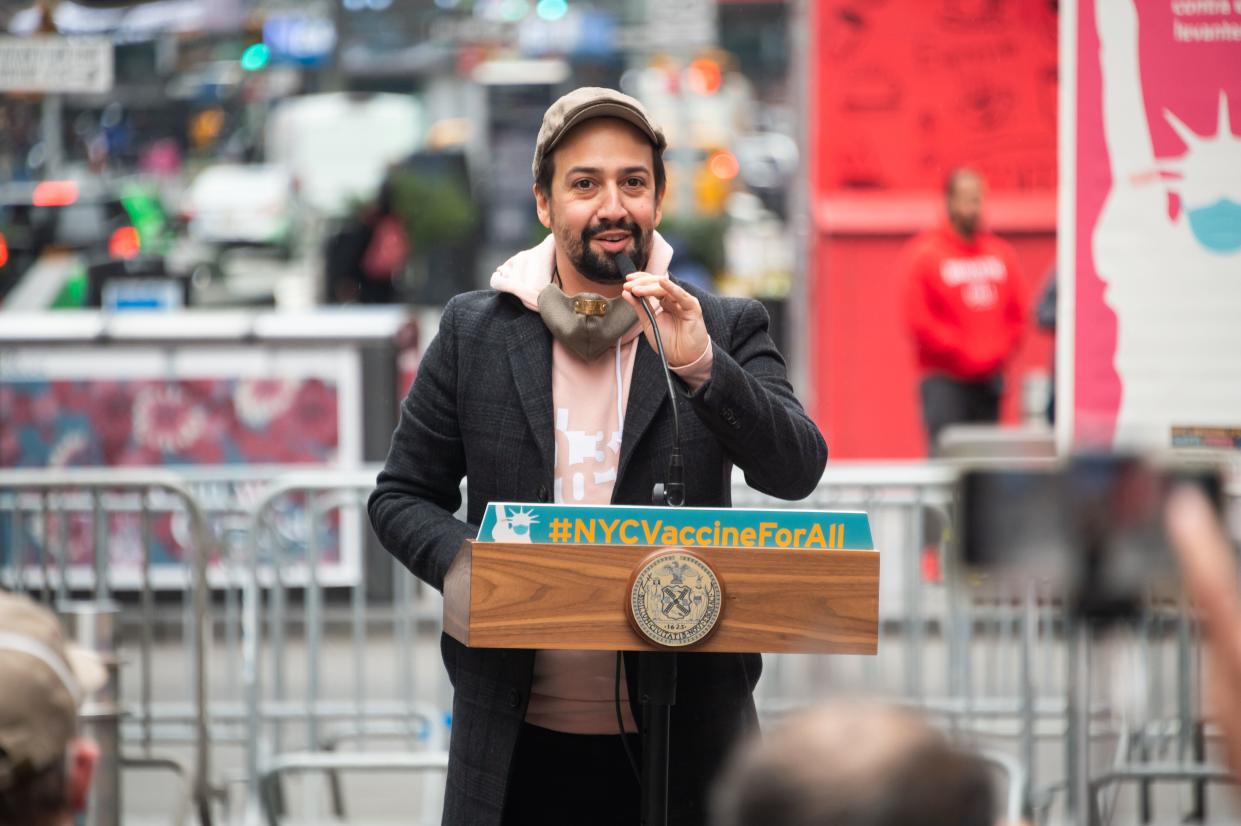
(135, 422)
(229, 419)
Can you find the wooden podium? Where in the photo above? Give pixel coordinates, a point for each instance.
(561, 596)
(518, 589)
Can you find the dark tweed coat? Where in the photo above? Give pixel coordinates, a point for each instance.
(481, 408)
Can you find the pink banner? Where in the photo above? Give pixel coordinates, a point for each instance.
(1157, 203)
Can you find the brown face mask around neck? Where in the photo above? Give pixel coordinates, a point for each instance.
(586, 323)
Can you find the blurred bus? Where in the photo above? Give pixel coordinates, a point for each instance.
(339, 145)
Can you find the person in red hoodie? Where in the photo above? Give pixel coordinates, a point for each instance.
(966, 310)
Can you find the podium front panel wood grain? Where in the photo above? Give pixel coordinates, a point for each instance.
(501, 595)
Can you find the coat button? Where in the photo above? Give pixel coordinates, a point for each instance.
(514, 698)
(542, 493)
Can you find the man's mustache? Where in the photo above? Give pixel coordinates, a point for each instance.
(600, 229)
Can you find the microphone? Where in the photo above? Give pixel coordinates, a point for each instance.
(671, 492)
(624, 265)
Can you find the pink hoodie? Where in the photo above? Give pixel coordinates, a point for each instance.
(573, 691)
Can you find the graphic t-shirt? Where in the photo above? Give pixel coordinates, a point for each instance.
(965, 303)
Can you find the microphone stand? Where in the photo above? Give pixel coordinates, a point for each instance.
(657, 670)
(657, 689)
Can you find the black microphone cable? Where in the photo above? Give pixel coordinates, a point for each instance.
(620, 722)
(674, 485)
(672, 492)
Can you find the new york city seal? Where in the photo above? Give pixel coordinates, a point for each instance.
(675, 599)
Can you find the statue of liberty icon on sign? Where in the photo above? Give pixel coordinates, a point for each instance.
(513, 525)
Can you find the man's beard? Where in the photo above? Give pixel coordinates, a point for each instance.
(966, 225)
(599, 268)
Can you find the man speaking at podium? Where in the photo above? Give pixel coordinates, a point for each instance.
(548, 387)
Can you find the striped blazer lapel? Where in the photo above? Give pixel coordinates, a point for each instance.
(529, 347)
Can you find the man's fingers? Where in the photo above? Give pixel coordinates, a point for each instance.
(680, 293)
(645, 283)
(676, 292)
(1206, 558)
(632, 300)
(1210, 572)
(672, 296)
(648, 290)
(1204, 552)
(643, 280)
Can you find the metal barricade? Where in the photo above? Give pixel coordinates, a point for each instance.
(994, 669)
(1004, 669)
(85, 534)
(901, 499)
(92, 625)
(298, 682)
(298, 726)
(935, 638)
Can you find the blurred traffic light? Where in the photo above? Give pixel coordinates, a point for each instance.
(723, 165)
(704, 76)
(551, 10)
(54, 193)
(713, 181)
(125, 243)
(205, 127)
(255, 57)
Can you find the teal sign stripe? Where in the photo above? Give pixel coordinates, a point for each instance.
(685, 527)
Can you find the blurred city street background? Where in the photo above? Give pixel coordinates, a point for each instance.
(228, 229)
(246, 143)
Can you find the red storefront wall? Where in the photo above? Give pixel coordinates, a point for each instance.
(902, 91)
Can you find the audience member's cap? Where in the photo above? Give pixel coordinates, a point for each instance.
(586, 103)
(43, 682)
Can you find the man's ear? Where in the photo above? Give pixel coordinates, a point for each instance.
(659, 207)
(542, 205)
(82, 754)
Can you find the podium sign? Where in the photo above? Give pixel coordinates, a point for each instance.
(686, 527)
(592, 578)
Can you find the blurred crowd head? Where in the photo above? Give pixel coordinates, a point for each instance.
(45, 766)
(854, 765)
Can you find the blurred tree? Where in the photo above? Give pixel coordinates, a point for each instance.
(441, 222)
(699, 238)
(437, 211)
